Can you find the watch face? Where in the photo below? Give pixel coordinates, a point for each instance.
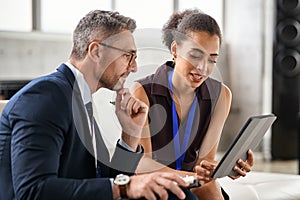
(122, 179)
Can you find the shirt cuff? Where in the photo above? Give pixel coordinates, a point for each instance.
(127, 147)
(112, 183)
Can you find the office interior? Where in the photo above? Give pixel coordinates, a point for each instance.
(259, 59)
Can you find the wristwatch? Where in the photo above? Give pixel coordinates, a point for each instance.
(122, 181)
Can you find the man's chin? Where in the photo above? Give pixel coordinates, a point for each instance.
(118, 87)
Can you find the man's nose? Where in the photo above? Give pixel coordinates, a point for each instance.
(133, 67)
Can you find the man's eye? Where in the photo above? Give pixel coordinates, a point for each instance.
(127, 54)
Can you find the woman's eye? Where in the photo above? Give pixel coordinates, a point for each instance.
(194, 56)
(212, 61)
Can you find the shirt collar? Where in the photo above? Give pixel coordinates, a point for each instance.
(85, 91)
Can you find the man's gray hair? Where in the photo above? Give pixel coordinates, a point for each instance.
(98, 25)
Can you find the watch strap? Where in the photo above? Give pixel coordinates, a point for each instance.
(123, 192)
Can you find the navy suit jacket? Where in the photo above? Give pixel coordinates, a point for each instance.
(42, 154)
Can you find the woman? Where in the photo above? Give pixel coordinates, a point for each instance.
(188, 109)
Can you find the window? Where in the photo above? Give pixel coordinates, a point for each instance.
(15, 15)
(63, 16)
(213, 8)
(148, 14)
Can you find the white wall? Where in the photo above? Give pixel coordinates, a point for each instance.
(25, 56)
(244, 34)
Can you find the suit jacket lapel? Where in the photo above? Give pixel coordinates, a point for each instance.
(80, 120)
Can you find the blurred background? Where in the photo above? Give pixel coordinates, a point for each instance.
(259, 59)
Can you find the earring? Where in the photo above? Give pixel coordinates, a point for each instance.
(174, 56)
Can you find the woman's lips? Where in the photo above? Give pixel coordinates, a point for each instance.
(196, 77)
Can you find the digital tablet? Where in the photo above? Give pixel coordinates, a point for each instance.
(248, 138)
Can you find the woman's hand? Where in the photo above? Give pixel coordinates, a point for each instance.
(244, 167)
(204, 171)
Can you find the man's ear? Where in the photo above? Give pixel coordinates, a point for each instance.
(94, 51)
(174, 50)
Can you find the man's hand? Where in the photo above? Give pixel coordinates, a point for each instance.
(132, 114)
(156, 186)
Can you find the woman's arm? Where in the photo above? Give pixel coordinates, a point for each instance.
(147, 164)
(206, 162)
(211, 140)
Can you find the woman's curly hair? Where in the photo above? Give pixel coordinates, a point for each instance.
(190, 20)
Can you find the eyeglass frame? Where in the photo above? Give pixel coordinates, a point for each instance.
(132, 52)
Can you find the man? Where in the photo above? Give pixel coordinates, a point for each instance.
(49, 140)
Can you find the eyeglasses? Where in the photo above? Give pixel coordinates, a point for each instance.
(132, 53)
